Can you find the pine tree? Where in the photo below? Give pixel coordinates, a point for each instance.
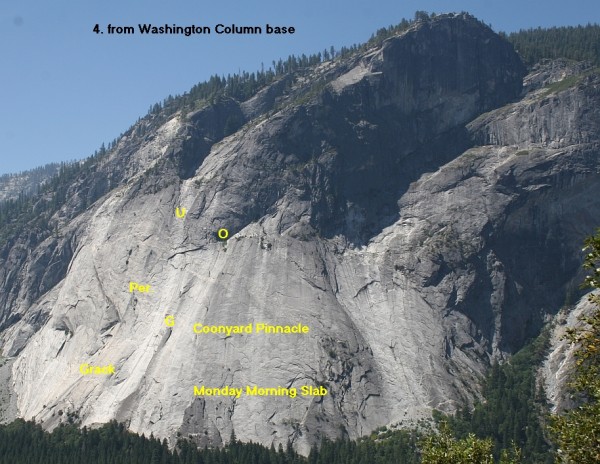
(577, 432)
(443, 448)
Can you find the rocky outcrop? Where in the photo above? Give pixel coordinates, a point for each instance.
(416, 237)
(557, 115)
(558, 368)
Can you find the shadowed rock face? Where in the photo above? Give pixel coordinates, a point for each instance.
(414, 223)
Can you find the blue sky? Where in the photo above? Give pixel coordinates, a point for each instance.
(64, 89)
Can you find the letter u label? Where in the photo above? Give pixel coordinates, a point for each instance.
(180, 212)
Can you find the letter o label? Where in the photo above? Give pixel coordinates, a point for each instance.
(223, 234)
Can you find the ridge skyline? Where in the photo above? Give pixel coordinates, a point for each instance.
(115, 90)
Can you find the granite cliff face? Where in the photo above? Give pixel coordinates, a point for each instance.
(558, 369)
(25, 183)
(412, 205)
